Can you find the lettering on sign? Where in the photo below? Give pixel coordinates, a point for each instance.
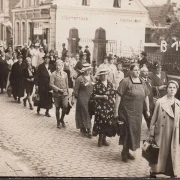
(130, 20)
(74, 18)
(164, 45)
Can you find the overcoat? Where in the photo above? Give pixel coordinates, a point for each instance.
(165, 137)
(42, 80)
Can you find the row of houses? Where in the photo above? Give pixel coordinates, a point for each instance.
(128, 24)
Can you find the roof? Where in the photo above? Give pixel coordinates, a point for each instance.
(159, 14)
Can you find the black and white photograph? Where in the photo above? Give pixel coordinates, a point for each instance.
(90, 88)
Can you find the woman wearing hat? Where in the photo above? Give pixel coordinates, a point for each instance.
(42, 82)
(159, 81)
(164, 130)
(104, 96)
(143, 60)
(131, 95)
(17, 79)
(82, 91)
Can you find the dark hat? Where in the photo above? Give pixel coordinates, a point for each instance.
(86, 46)
(106, 57)
(144, 53)
(20, 56)
(32, 45)
(156, 65)
(80, 47)
(46, 56)
(19, 45)
(63, 44)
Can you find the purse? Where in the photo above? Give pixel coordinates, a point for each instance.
(150, 151)
(157, 95)
(91, 106)
(36, 98)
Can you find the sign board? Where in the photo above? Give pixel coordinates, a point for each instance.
(38, 31)
(45, 11)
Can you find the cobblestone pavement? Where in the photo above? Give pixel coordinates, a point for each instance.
(51, 152)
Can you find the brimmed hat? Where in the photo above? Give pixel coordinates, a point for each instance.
(80, 47)
(86, 46)
(144, 53)
(19, 45)
(157, 65)
(84, 54)
(32, 45)
(86, 67)
(63, 44)
(46, 56)
(103, 71)
(37, 45)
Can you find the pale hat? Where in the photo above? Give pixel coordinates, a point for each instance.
(86, 66)
(103, 71)
(37, 45)
(59, 62)
(144, 69)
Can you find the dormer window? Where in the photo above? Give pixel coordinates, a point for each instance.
(85, 2)
(117, 3)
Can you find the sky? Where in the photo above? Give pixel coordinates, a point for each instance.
(156, 2)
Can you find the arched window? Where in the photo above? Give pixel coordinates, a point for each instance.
(18, 33)
(23, 33)
(85, 2)
(1, 5)
(117, 3)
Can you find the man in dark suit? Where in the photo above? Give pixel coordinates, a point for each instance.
(88, 54)
(80, 52)
(24, 51)
(143, 59)
(145, 76)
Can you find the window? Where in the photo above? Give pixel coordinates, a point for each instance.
(17, 33)
(23, 4)
(117, 3)
(1, 32)
(1, 5)
(85, 2)
(36, 2)
(23, 33)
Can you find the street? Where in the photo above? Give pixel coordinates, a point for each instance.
(50, 152)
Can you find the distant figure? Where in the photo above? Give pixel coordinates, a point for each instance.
(143, 59)
(64, 52)
(24, 51)
(80, 52)
(88, 54)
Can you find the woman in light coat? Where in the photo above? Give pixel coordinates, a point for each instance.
(164, 130)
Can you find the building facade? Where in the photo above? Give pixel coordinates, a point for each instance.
(34, 20)
(124, 22)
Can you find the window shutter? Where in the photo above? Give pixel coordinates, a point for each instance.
(117, 3)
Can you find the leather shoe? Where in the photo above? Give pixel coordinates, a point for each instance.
(124, 157)
(130, 156)
(47, 114)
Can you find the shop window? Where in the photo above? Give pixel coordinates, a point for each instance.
(117, 3)
(1, 5)
(85, 2)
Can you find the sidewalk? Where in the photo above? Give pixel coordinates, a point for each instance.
(8, 167)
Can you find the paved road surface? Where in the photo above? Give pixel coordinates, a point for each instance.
(44, 150)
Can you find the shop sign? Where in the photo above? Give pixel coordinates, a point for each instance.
(130, 20)
(45, 11)
(38, 31)
(75, 18)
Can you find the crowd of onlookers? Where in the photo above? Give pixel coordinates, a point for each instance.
(105, 93)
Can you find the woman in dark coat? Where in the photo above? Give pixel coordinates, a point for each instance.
(131, 95)
(29, 75)
(104, 96)
(17, 79)
(42, 84)
(3, 71)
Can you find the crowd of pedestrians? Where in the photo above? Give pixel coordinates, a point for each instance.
(107, 94)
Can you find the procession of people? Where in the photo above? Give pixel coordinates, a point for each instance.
(104, 95)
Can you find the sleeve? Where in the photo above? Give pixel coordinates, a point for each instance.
(76, 87)
(51, 83)
(123, 86)
(35, 71)
(154, 118)
(95, 90)
(146, 90)
(38, 72)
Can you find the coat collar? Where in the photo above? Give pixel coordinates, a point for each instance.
(167, 108)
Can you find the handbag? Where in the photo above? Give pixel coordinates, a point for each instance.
(91, 106)
(157, 95)
(36, 98)
(150, 151)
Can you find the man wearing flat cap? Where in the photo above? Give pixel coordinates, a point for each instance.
(88, 54)
(143, 61)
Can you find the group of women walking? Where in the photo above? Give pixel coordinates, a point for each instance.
(107, 95)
